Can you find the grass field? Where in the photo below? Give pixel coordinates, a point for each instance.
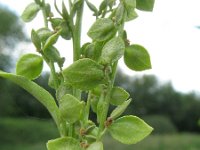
(32, 134)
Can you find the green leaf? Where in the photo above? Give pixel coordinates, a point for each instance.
(84, 74)
(51, 40)
(44, 34)
(95, 146)
(63, 89)
(103, 29)
(29, 66)
(118, 96)
(145, 5)
(130, 6)
(120, 109)
(92, 7)
(129, 129)
(30, 12)
(70, 108)
(38, 92)
(137, 58)
(36, 40)
(112, 50)
(66, 143)
(53, 55)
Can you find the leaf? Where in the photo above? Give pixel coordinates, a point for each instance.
(145, 5)
(118, 96)
(30, 12)
(103, 29)
(29, 66)
(65, 143)
(92, 7)
(36, 40)
(51, 40)
(38, 92)
(95, 146)
(129, 129)
(70, 108)
(63, 89)
(44, 34)
(84, 74)
(130, 6)
(137, 58)
(112, 50)
(53, 55)
(120, 109)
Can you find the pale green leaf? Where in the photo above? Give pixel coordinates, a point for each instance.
(137, 58)
(30, 12)
(103, 29)
(95, 146)
(129, 129)
(145, 5)
(112, 50)
(118, 96)
(29, 66)
(120, 109)
(84, 74)
(65, 143)
(70, 108)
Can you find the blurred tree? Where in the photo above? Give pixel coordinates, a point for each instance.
(153, 98)
(11, 33)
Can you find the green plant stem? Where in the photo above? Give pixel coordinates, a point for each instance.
(54, 75)
(104, 113)
(77, 32)
(44, 14)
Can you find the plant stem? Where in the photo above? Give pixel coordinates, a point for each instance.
(77, 32)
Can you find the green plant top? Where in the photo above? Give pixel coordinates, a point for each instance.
(92, 72)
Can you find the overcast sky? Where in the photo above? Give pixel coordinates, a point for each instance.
(169, 33)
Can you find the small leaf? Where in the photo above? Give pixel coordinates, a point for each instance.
(130, 14)
(70, 108)
(84, 74)
(29, 66)
(56, 22)
(95, 146)
(112, 50)
(145, 5)
(47, 9)
(118, 96)
(129, 129)
(53, 55)
(38, 92)
(36, 40)
(130, 6)
(65, 143)
(137, 58)
(44, 34)
(30, 12)
(120, 109)
(103, 29)
(92, 7)
(63, 89)
(65, 31)
(51, 40)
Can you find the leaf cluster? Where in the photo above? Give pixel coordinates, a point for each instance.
(93, 72)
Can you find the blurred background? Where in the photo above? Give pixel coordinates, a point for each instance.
(167, 97)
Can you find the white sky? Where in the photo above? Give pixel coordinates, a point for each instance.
(169, 33)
